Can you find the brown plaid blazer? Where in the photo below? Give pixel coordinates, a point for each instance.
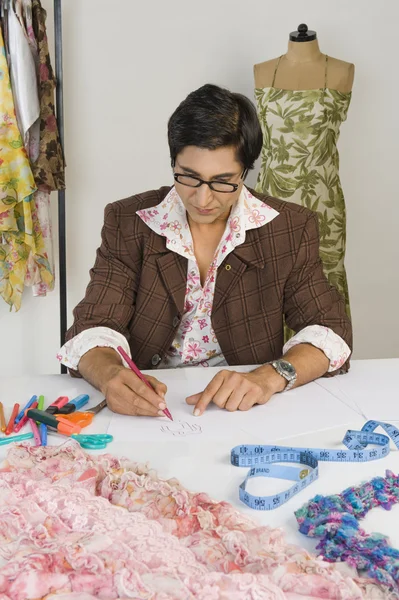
(137, 286)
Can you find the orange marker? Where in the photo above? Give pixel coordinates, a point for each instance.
(10, 425)
(3, 425)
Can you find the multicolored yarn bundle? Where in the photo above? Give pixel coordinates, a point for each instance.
(335, 520)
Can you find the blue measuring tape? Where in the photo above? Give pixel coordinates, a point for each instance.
(261, 459)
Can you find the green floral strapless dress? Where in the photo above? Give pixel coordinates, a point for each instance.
(300, 162)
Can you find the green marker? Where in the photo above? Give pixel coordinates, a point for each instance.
(40, 406)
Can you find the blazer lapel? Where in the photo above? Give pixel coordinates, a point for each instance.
(172, 268)
(173, 271)
(248, 254)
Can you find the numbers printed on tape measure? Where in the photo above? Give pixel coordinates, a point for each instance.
(356, 443)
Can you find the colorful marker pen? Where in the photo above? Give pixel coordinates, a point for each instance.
(24, 419)
(43, 433)
(11, 422)
(35, 431)
(57, 404)
(40, 406)
(59, 423)
(74, 404)
(40, 403)
(22, 412)
(3, 425)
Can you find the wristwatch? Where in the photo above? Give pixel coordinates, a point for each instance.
(286, 370)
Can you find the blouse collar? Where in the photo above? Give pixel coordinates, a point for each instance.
(169, 219)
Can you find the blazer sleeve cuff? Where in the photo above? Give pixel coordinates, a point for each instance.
(333, 346)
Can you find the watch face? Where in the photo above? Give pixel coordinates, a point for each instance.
(287, 368)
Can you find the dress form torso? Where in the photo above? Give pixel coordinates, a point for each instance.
(301, 110)
(303, 68)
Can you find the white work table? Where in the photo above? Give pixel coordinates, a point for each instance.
(316, 415)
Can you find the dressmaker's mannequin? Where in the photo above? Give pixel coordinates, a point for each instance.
(303, 67)
(303, 98)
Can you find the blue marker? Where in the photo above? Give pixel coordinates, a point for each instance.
(22, 412)
(43, 433)
(80, 401)
(74, 404)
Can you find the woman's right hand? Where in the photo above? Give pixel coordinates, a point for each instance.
(128, 395)
(124, 391)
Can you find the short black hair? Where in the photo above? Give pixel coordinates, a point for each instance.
(212, 117)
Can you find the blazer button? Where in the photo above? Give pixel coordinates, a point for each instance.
(156, 359)
(176, 321)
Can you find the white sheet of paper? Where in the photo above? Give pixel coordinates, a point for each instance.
(375, 399)
(305, 409)
(333, 387)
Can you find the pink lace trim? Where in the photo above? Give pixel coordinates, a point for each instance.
(85, 527)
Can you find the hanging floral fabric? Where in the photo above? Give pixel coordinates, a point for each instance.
(41, 215)
(23, 73)
(25, 7)
(49, 168)
(45, 153)
(18, 234)
(24, 60)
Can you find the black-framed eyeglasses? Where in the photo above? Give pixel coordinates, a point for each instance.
(216, 186)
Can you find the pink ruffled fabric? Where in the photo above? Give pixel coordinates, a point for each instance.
(78, 527)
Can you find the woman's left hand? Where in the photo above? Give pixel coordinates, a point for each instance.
(238, 391)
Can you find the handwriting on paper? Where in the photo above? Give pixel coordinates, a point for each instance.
(181, 428)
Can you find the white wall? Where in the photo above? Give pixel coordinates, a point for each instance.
(127, 65)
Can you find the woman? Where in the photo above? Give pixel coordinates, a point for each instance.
(205, 273)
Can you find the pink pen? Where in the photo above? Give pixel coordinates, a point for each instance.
(24, 419)
(35, 431)
(140, 375)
